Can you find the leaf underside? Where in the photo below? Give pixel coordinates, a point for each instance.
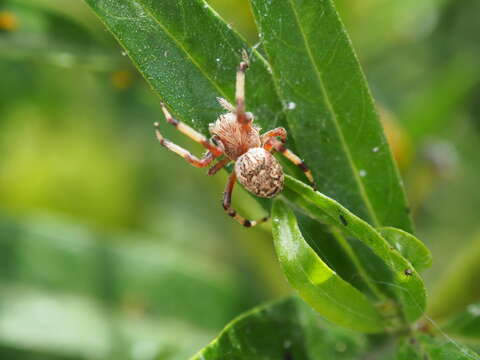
(409, 246)
(322, 288)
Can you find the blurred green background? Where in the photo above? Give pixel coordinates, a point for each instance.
(112, 247)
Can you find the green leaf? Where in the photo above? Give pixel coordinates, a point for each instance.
(331, 113)
(287, 329)
(409, 246)
(465, 324)
(349, 257)
(405, 281)
(320, 286)
(425, 347)
(189, 57)
(336, 251)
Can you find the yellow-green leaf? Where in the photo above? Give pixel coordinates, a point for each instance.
(405, 283)
(409, 246)
(334, 298)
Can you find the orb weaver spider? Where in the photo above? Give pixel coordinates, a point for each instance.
(235, 136)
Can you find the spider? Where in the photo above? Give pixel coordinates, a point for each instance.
(235, 136)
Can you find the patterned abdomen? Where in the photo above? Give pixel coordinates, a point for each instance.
(259, 172)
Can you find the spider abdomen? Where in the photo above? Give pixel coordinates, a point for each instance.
(260, 173)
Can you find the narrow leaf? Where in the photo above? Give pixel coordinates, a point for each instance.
(331, 114)
(340, 254)
(465, 324)
(334, 298)
(189, 57)
(409, 246)
(287, 329)
(406, 283)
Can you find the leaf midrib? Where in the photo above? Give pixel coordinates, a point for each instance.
(258, 55)
(357, 264)
(179, 44)
(326, 97)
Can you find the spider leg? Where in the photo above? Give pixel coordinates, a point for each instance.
(275, 145)
(226, 104)
(191, 133)
(227, 202)
(277, 132)
(218, 166)
(203, 162)
(240, 90)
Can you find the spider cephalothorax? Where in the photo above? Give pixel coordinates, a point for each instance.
(238, 139)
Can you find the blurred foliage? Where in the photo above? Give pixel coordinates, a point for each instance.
(112, 248)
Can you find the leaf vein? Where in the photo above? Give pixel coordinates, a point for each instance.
(181, 47)
(330, 107)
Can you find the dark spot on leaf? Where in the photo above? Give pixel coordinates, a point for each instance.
(407, 210)
(408, 272)
(287, 355)
(412, 341)
(343, 220)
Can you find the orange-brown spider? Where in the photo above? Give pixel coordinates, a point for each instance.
(236, 136)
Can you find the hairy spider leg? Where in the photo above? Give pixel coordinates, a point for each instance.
(226, 104)
(191, 133)
(192, 159)
(227, 202)
(214, 151)
(218, 166)
(275, 145)
(277, 132)
(240, 90)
